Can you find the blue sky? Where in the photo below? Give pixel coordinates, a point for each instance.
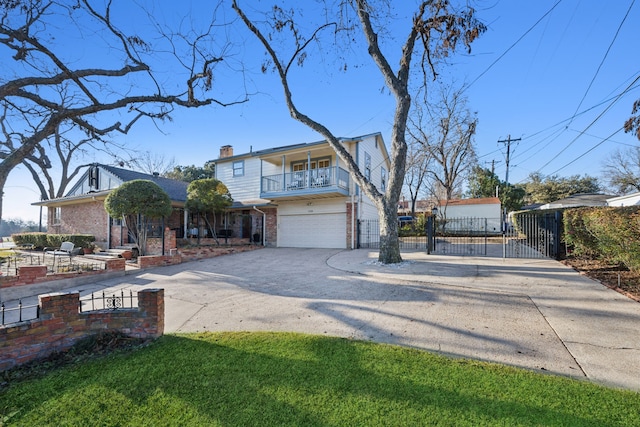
(555, 84)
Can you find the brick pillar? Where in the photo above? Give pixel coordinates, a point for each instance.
(151, 306)
(170, 241)
(59, 305)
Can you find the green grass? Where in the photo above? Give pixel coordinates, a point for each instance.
(280, 379)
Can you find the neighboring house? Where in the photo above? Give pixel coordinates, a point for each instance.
(302, 195)
(81, 210)
(632, 199)
(488, 208)
(578, 200)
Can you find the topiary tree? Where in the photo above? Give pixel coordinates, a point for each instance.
(138, 202)
(208, 196)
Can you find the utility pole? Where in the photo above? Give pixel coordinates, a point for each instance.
(508, 142)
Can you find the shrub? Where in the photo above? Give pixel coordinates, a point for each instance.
(42, 240)
(611, 233)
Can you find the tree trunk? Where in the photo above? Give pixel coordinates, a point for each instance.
(389, 240)
(3, 181)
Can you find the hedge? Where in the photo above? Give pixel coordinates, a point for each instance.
(42, 240)
(608, 233)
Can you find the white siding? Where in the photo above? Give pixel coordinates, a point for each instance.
(246, 187)
(367, 209)
(474, 211)
(628, 200)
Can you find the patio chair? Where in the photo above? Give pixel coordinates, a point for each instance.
(65, 249)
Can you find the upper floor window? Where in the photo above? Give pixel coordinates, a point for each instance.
(383, 179)
(238, 168)
(367, 166)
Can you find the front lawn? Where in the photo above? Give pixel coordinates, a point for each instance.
(277, 379)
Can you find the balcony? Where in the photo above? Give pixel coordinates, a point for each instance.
(323, 182)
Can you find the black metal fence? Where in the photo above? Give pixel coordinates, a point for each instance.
(109, 301)
(18, 313)
(531, 235)
(369, 236)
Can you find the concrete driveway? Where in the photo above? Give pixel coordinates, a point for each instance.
(535, 314)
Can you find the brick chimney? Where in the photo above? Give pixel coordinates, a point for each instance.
(226, 151)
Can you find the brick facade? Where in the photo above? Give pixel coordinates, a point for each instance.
(83, 218)
(61, 325)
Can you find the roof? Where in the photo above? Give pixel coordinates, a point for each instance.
(632, 199)
(578, 200)
(476, 201)
(298, 146)
(177, 190)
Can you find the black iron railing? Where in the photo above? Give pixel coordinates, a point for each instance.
(18, 313)
(109, 301)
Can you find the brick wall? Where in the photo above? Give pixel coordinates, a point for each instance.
(154, 244)
(30, 274)
(272, 226)
(84, 218)
(61, 325)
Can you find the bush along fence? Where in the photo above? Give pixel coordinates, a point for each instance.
(609, 233)
(61, 324)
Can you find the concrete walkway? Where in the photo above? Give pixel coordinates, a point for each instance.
(535, 314)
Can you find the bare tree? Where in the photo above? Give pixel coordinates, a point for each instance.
(622, 170)
(416, 177)
(632, 125)
(154, 163)
(435, 31)
(445, 129)
(47, 94)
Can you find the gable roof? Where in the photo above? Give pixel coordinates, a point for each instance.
(177, 190)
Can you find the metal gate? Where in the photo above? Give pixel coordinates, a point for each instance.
(369, 236)
(535, 235)
(529, 235)
(465, 236)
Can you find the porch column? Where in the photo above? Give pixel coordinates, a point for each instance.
(184, 223)
(284, 173)
(308, 169)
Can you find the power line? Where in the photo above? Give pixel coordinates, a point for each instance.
(603, 59)
(512, 46)
(617, 98)
(586, 152)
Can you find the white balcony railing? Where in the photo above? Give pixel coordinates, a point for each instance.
(315, 180)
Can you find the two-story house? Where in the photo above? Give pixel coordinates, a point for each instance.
(302, 195)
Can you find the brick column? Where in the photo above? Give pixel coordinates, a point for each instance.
(59, 305)
(170, 241)
(151, 306)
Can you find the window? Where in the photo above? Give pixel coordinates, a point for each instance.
(57, 215)
(238, 168)
(367, 166)
(383, 179)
